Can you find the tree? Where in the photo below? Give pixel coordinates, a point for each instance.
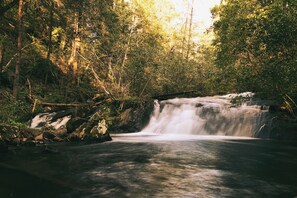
(256, 45)
(19, 53)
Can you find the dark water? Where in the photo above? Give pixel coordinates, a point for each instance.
(153, 167)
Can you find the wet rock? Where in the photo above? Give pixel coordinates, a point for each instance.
(27, 134)
(16, 141)
(106, 137)
(58, 139)
(99, 129)
(74, 137)
(263, 132)
(60, 114)
(31, 143)
(99, 132)
(62, 132)
(48, 136)
(75, 123)
(94, 130)
(39, 137)
(131, 115)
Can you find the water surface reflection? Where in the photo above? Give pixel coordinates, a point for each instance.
(153, 166)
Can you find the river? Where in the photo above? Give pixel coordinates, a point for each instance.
(200, 147)
(137, 165)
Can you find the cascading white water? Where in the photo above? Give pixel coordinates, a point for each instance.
(207, 116)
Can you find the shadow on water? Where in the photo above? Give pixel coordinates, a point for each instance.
(72, 171)
(16, 183)
(192, 168)
(258, 168)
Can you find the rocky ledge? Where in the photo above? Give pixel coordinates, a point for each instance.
(93, 130)
(92, 124)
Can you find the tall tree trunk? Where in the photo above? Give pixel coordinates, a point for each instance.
(184, 32)
(127, 46)
(19, 53)
(49, 47)
(73, 60)
(1, 56)
(190, 31)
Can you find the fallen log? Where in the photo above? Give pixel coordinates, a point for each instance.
(178, 94)
(50, 104)
(62, 104)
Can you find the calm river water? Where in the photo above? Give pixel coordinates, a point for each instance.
(153, 166)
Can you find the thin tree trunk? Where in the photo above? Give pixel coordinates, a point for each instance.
(190, 31)
(75, 46)
(19, 54)
(184, 32)
(49, 49)
(29, 89)
(126, 53)
(73, 60)
(110, 70)
(1, 56)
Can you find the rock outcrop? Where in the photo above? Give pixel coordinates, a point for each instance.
(94, 130)
(90, 124)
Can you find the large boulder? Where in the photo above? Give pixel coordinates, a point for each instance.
(131, 115)
(94, 130)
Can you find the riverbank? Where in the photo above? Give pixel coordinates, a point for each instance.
(94, 121)
(90, 123)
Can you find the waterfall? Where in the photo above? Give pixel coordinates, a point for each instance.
(215, 115)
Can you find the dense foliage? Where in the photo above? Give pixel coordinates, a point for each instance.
(71, 50)
(256, 44)
(117, 47)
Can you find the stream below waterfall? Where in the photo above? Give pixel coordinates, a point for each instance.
(137, 165)
(202, 147)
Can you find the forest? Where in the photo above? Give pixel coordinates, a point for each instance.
(70, 51)
(146, 98)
